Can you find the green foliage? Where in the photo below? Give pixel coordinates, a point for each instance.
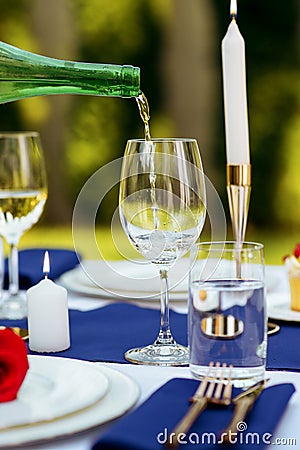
(126, 32)
(120, 32)
(275, 117)
(132, 32)
(110, 29)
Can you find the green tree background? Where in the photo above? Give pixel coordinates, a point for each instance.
(176, 44)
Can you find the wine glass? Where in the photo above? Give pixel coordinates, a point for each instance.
(23, 193)
(162, 211)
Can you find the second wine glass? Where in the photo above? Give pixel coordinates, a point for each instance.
(23, 193)
(162, 210)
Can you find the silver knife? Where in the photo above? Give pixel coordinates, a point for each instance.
(243, 403)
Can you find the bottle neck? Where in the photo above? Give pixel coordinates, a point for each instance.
(25, 74)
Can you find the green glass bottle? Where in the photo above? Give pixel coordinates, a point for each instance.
(25, 74)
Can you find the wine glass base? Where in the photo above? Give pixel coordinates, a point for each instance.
(159, 355)
(14, 307)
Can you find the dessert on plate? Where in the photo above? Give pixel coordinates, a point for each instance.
(292, 263)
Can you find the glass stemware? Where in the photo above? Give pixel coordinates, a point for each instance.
(23, 193)
(162, 210)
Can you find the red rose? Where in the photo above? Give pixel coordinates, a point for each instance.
(13, 364)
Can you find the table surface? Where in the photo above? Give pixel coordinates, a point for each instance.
(149, 378)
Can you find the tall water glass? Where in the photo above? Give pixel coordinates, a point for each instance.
(162, 210)
(23, 193)
(227, 309)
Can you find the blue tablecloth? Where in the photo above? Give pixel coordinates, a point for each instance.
(147, 427)
(31, 265)
(104, 334)
(283, 351)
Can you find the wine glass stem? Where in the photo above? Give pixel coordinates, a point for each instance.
(13, 270)
(165, 335)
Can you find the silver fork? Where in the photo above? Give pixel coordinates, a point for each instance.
(216, 389)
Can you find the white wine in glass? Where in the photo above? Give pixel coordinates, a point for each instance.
(162, 211)
(23, 194)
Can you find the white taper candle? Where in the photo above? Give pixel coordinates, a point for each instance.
(235, 94)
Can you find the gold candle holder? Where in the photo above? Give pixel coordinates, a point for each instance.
(238, 191)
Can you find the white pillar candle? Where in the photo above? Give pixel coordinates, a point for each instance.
(48, 318)
(235, 94)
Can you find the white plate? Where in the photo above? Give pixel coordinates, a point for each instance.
(126, 280)
(122, 395)
(123, 280)
(279, 307)
(274, 276)
(52, 389)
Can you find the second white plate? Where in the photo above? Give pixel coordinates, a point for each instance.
(279, 307)
(53, 388)
(126, 280)
(122, 394)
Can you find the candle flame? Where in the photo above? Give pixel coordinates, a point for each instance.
(233, 8)
(46, 266)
